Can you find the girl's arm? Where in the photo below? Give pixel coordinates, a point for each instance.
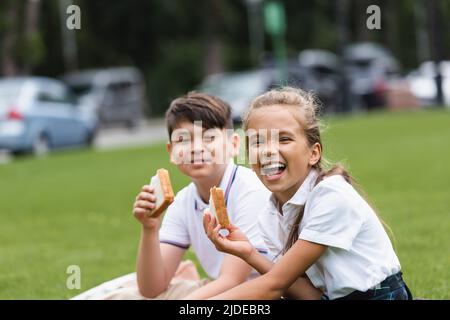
(301, 289)
(281, 276)
(236, 243)
(233, 272)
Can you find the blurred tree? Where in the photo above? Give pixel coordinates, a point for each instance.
(213, 42)
(68, 35)
(176, 43)
(437, 47)
(9, 30)
(22, 47)
(362, 33)
(33, 48)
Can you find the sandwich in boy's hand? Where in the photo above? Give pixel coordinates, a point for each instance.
(217, 206)
(163, 192)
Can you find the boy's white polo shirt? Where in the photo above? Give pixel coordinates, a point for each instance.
(359, 254)
(182, 225)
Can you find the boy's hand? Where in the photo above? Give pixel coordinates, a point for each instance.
(144, 204)
(235, 243)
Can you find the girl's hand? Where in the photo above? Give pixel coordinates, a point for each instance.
(235, 243)
(144, 204)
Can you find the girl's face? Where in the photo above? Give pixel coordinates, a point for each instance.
(279, 150)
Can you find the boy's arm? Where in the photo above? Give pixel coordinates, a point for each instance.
(156, 263)
(233, 272)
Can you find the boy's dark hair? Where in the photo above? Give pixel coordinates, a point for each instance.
(196, 106)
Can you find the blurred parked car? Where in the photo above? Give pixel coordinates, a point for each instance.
(320, 73)
(38, 114)
(369, 68)
(423, 85)
(116, 95)
(239, 88)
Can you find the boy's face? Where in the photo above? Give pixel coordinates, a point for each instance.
(199, 152)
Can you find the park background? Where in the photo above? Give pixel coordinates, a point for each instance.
(73, 207)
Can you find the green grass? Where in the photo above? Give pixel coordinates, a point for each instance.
(74, 208)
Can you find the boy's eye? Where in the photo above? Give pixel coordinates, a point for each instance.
(284, 139)
(182, 139)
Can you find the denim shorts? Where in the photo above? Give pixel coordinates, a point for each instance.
(393, 288)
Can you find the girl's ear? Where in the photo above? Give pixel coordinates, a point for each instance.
(316, 154)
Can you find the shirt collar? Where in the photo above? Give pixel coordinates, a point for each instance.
(299, 198)
(224, 185)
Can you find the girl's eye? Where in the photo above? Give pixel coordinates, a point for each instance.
(284, 139)
(209, 138)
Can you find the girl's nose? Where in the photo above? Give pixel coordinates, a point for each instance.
(266, 152)
(269, 152)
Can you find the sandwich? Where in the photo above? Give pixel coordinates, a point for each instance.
(217, 206)
(163, 192)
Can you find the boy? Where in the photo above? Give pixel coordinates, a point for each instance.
(202, 147)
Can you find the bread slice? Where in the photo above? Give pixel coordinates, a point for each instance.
(163, 192)
(217, 206)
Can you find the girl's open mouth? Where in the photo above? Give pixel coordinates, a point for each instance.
(273, 171)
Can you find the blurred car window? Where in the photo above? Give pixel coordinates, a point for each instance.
(116, 95)
(238, 88)
(9, 91)
(55, 93)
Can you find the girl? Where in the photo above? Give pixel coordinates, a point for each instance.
(322, 233)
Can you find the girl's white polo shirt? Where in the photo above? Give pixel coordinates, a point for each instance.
(182, 226)
(359, 254)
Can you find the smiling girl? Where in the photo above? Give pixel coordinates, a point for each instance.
(321, 232)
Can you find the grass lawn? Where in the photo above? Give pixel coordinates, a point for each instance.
(74, 207)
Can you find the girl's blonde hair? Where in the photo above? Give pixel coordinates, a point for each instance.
(308, 108)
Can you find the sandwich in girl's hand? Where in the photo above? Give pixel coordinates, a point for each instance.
(163, 192)
(217, 206)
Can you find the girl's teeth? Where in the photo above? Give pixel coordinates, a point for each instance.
(272, 169)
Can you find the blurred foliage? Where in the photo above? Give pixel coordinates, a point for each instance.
(172, 41)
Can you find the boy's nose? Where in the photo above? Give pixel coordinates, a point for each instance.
(197, 147)
(197, 151)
